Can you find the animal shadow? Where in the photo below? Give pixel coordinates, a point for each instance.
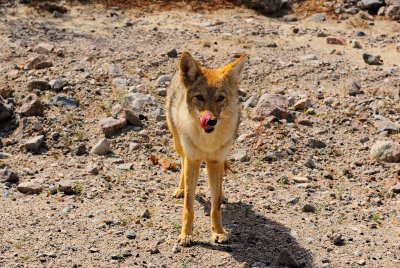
(258, 241)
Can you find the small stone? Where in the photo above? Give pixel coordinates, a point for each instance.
(32, 62)
(172, 54)
(43, 48)
(34, 144)
(93, 249)
(64, 101)
(286, 259)
(337, 239)
(362, 262)
(133, 146)
(313, 143)
(251, 102)
(5, 111)
(81, 149)
(146, 214)
(7, 175)
(126, 253)
(396, 189)
(299, 179)
(70, 187)
(335, 40)
(161, 91)
(384, 124)
(293, 201)
(163, 80)
(132, 118)
(126, 166)
(176, 248)
(302, 104)
(110, 125)
(101, 148)
(276, 105)
(371, 59)
(43, 65)
(130, 235)
(317, 17)
(38, 84)
(241, 156)
(31, 106)
(6, 91)
(270, 156)
(289, 18)
(310, 163)
(137, 101)
(154, 250)
(93, 169)
(58, 84)
(386, 151)
(117, 257)
(355, 88)
(29, 187)
(309, 208)
(357, 44)
(119, 83)
(329, 101)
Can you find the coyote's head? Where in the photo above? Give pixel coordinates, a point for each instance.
(211, 94)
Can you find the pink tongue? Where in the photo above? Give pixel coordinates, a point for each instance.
(204, 122)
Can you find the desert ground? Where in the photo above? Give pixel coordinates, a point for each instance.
(312, 185)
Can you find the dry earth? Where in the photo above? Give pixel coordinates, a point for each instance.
(305, 191)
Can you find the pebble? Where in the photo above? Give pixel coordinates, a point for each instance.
(313, 143)
(176, 248)
(102, 147)
(34, 144)
(58, 84)
(30, 187)
(43, 48)
(172, 54)
(64, 101)
(309, 208)
(396, 189)
(371, 59)
(302, 104)
(337, 239)
(241, 156)
(386, 151)
(31, 106)
(132, 118)
(7, 175)
(133, 146)
(299, 179)
(39, 84)
(110, 125)
(146, 214)
(276, 105)
(130, 235)
(335, 40)
(69, 187)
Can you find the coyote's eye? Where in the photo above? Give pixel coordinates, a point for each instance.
(199, 97)
(220, 98)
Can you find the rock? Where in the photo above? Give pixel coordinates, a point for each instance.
(393, 12)
(130, 235)
(146, 214)
(309, 208)
(298, 179)
(93, 169)
(241, 156)
(101, 148)
(6, 91)
(308, 57)
(355, 88)
(286, 259)
(29, 187)
(172, 54)
(112, 69)
(381, 11)
(31, 106)
(317, 17)
(289, 18)
(161, 91)
(302, 104)
(34, 144)
(362, 262)
(313, 143)
(64, 101)
(132, 118)
(43, 65)
(337, 239)
(396, 189)
(276, 105)
(126, 166)
(335, 40)
(38, 84)
(43, 48)
(251, 102)
(365, 16)
(383, 124)
(154, 250)
(5, 110)
(357, 44)
(70, 187)
(119, 83)
(110, 125)
(176, 248)
(329, 101)
(7, 175)
(133, 146)
(372, 4)
(81, 149)
(32, 62)
(163, 80)
(264, 6)
(137, 101)
(352, 10)
(386, 151)
(93, 249)
(371, 59)
(58, 84)
(126, 253)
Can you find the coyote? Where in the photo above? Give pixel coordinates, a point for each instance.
(203, 113)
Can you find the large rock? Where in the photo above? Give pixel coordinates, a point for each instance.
(101, 148)
(110, 125)
(137, 101)
(276, 105)
(372, 4)
(5, 110)
(7, 175)
(30, 187)
(386, 151)
(264, 6)
(31, 106)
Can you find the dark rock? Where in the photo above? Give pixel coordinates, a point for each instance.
(309, 208)
(264, 6)
(371, 59)
(30, 187)
(7, 175)
(286, 259)
(172, 54)
(313, 143)
(63, 101)
(110, 125)
(337, 239)
(5, 110)
(38, 84)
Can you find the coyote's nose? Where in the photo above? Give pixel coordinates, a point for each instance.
(212, 122)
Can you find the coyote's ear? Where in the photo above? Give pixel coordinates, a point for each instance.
(235, 68)
(190, 70)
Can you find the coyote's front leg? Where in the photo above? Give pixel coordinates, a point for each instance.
(216, 172)
(191, 174)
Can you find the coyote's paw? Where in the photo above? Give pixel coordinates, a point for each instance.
(185, 240)
(178, 193)
(220, 238)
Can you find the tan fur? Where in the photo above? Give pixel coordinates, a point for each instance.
(184, 111)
